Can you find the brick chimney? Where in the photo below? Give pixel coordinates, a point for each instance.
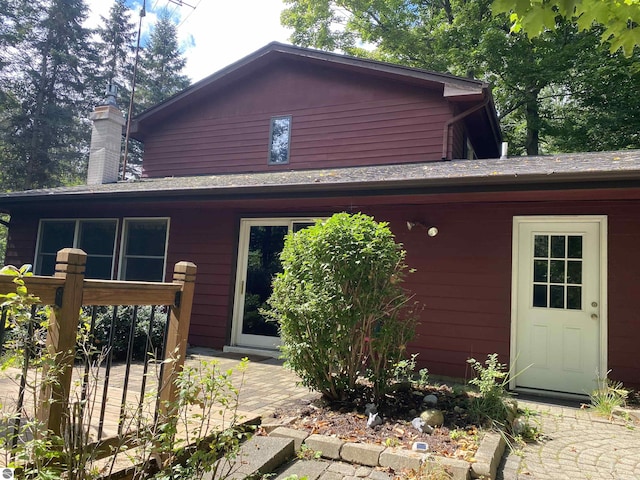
(106, 141)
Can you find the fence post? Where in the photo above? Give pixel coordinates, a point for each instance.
(61, 339)
(177, 334)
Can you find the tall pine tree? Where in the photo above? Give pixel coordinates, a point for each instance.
(117, 37)
(46, 137)
(162, 64)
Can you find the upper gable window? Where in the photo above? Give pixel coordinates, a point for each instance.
(279, 140)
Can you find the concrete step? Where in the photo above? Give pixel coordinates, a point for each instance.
(259, 455)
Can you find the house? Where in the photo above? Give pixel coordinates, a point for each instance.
(535, 258)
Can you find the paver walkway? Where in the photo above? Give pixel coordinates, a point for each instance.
(577, 444)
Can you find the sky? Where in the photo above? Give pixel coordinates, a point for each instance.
(214, 34)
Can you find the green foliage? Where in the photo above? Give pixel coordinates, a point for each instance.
(405, 371)
(161, 63)
(534, 80)
(492, 379)
(190, 442)
(142, 342)
(201, 432)
(340, 303)
(609, 396)
(49, 88)
(620, 18)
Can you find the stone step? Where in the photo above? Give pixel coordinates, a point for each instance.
(259, 455)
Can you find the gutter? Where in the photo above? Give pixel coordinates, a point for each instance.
(498, 183)
(457, 118)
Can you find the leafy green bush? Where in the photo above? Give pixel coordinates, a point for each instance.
(492, 379)
(340, 304)
(122, 332)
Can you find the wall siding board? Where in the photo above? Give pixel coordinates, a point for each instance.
(338, 119)
(463, 275)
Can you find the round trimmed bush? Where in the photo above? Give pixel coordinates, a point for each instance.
(341, 306)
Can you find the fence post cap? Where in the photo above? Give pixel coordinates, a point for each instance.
(185, 271)
(74, 256)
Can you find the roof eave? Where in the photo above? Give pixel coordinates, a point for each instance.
(497, 183)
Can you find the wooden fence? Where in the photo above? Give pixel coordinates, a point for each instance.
(68, 291)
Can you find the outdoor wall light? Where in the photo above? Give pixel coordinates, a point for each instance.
(431, 231)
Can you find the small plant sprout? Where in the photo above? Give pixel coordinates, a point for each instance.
(307, 453)
(609, 396)
(490, 405)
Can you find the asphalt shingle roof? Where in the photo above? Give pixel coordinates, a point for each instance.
(579, 167)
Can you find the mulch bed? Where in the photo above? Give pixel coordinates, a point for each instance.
(348, 421)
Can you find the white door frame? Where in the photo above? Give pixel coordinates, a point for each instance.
(602, 221)
(267, 345)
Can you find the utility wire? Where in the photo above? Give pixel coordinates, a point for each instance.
(143, 12)
(189, 14)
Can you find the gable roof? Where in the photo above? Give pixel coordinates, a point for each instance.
(581, 170)
(456, 89)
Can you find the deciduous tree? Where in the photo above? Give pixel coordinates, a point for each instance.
(620, 18)
(530, 76)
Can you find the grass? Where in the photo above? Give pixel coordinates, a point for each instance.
(609, 396)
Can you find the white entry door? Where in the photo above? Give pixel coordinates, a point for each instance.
(559, 324)
(260, 244)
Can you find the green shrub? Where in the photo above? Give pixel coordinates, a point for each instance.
(122, 326)
(492, 379)
(340, 303)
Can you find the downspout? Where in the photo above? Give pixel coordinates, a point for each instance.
(451, 121)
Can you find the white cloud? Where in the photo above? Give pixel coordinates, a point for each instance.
(217, 33)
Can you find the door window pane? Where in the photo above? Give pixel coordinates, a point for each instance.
(556, 296)
(541, 248)
(574, 298)
(557, 271)
(574, 272)
(539, 295)
(540, 270)
(574, 249)
(263, 263)
(557, 246)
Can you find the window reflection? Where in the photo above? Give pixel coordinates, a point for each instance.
(279, 140)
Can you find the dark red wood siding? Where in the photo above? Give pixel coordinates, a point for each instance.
(338, 119)
(463, 275)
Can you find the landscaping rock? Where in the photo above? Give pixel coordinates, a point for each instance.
(430, 400)
(374, 420)
(432, 417)
(418, 423)
(398, 459)
(488, 456)
(298, 436)
(362, 453)
(329, 447)
(520, 425)
(459, 469)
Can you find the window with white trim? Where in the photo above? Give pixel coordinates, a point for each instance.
(95, 237)
(144, 247)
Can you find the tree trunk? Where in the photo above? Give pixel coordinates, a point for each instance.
(532, 117)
